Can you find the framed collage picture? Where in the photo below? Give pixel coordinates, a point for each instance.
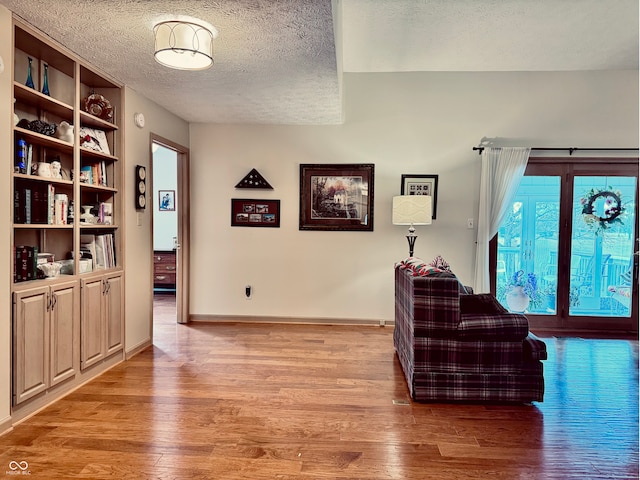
(255, 213)
(421, 185)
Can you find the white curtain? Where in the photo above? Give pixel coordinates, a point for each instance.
(502, 170)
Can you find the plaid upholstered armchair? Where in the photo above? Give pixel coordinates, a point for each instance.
(459, 347)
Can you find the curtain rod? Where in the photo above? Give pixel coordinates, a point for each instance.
(571, 149)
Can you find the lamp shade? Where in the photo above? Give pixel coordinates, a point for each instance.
(183, 45)
(412, 210)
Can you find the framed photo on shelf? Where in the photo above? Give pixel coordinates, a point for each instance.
(421, 185)
(336, 197)
(94, 139)
(255, 213)
(166, 200)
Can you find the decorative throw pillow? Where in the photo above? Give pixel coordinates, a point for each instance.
(480, 303)
(418, 267)
(440, 263)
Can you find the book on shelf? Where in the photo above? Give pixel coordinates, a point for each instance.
(105, 253)
(61, 208)
(25, 263)
(27, 205)
(103, 174)
(105, 213)
(19, 205)
(86, 175)
(51, 199)
(29, 158)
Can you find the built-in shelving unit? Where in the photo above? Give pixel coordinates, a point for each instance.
(70, 327)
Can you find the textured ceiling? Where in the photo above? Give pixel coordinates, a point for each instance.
(276, 61)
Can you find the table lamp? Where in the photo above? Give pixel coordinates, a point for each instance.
(412, 210)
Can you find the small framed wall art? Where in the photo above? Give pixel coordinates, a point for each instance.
(421, 185)
(166, 200)
(255, 213)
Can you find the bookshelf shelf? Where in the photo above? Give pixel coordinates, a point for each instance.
(41, 101)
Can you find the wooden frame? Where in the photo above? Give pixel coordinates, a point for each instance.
(255, 213)
(167, 200)
(336, 197)
(421, 185)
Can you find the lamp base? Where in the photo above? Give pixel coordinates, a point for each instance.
(411, 238)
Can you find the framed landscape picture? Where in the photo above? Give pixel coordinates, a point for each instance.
(255, 213)
(336, 197)
(421, 185)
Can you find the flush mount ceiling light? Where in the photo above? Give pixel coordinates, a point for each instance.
(183, 45)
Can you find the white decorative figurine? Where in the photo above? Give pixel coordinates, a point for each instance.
(65, 132)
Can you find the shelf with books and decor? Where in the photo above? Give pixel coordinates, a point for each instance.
(66, 170)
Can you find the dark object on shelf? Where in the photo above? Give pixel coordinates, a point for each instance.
(45, 81)
(29, 82)
(21, 154)
(253, 179)
(98, 106)
(38, 126)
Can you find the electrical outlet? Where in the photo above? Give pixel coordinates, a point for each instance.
(470, 223)
(247, 291)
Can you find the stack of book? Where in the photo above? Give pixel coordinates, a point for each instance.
(39, 204)
(25, 263)
(100, 248)
(95, 174)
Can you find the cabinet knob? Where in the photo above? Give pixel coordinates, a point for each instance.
(170, 267)
(160, 277)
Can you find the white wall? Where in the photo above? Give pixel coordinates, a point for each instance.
(165, 177)
(138, 242)
(6, 264)
(403, 123)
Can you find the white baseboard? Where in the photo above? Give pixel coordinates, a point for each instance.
(137, 349)
(293, 320)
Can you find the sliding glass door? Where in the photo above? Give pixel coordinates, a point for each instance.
(565, 252)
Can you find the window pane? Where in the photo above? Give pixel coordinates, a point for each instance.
(602, 246)
(528, 247)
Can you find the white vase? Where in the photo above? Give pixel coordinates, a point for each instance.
(517, 300)
(87, 217)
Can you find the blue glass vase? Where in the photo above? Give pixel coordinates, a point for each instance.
(29, 82)
(45, 81)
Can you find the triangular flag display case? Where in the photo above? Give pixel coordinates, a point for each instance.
(253, 179)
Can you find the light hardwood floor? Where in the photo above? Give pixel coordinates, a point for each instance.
(259, 401)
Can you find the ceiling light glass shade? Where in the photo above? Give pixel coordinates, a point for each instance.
(183, 45)
(412, 210)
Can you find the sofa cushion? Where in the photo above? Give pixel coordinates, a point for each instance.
(480, 303)
(504, 326)
(441, 263)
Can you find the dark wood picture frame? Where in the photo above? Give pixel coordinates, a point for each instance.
(337, 197)
(247, 212)
(166, 200)
(421, 185)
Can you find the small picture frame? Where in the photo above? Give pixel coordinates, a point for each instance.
(421, 185)
(166, 200)
(247, 212)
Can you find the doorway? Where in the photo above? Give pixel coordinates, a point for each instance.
(569, 241)
(170, 220)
